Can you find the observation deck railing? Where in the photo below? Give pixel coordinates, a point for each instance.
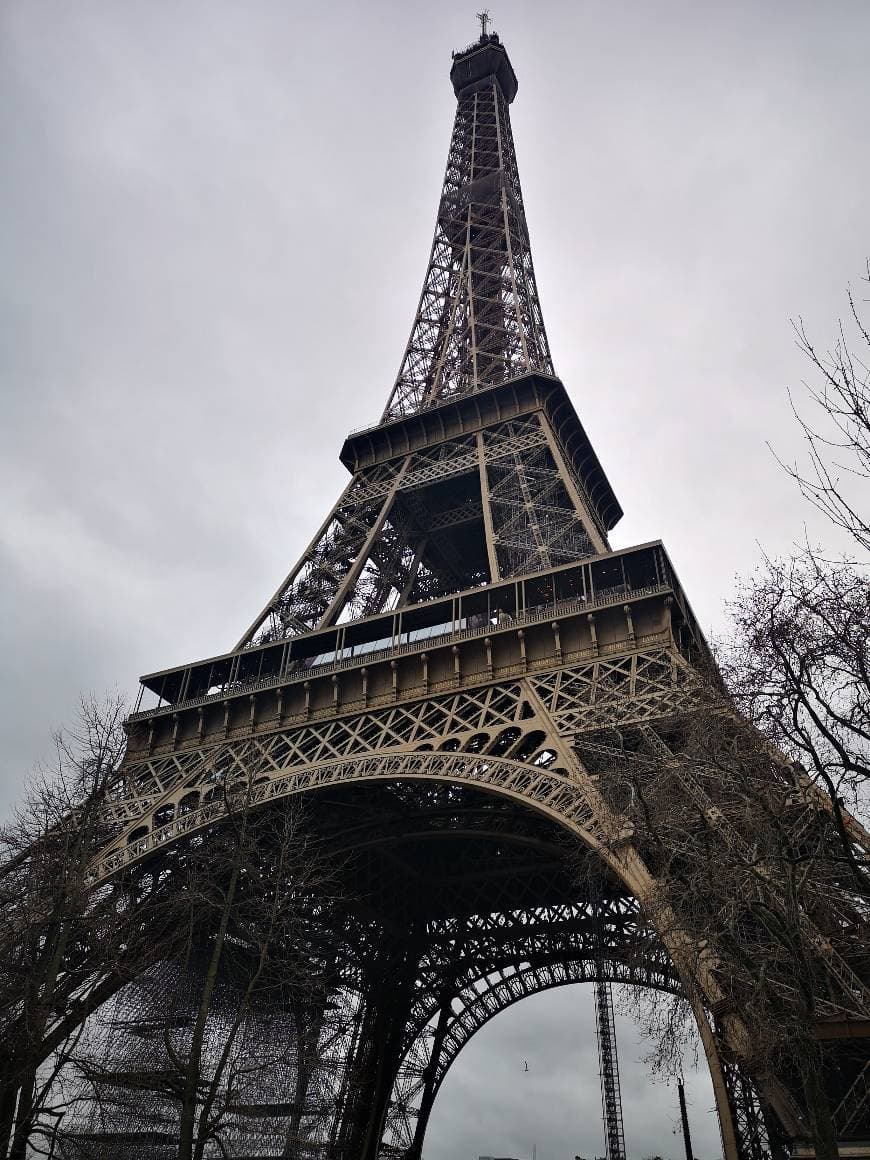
(297, 671)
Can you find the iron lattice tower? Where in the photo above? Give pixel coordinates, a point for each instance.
(608, 1066)
(441, 677)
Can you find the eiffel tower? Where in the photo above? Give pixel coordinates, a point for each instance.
(436, 676)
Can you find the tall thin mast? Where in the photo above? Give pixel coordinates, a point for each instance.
(684, 1119)
(608, 1065)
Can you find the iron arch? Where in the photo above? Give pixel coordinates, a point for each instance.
(422, 1073)
(560, 794)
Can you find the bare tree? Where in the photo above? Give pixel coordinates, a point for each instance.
(798, 658)
(798, 666)
(47, 920)
(262, 901)
(740, 805)
(218, 1041)
(740, 845)
(836, 479)
(186, 994)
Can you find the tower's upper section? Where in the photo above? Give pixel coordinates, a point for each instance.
(478, 322)
(486, 59)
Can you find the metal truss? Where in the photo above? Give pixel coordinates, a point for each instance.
(430, 1055)
(605, 1033)
(167, 796)
(852, 1114)
(479, 320)
(282, 1091)
(307, 594)
(714, 797)
(749, 1119)
(463, 955)
(391, 539)
(478, 324)
(504, 958)
(535, 523)
(536, 741)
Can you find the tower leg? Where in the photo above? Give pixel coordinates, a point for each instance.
(428, 1097)
(758, 1136)
(387, 1001)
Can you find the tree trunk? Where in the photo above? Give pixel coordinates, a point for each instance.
(819, 1110)
(8, 1094)
(187, 1122)
(23, 1119)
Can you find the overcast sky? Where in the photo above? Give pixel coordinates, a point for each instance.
(215, 221)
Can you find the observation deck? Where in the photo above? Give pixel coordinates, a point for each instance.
(611, 604)
(464, 414)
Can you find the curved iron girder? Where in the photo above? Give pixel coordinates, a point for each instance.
(551, 792)
(276, 765)
(420, 1076)
(483, 945)
(568, 799)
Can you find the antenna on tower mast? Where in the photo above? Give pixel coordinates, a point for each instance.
(483, 17)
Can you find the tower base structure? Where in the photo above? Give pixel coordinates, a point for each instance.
(453, 753)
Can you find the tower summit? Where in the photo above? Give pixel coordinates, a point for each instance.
(485, 59)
